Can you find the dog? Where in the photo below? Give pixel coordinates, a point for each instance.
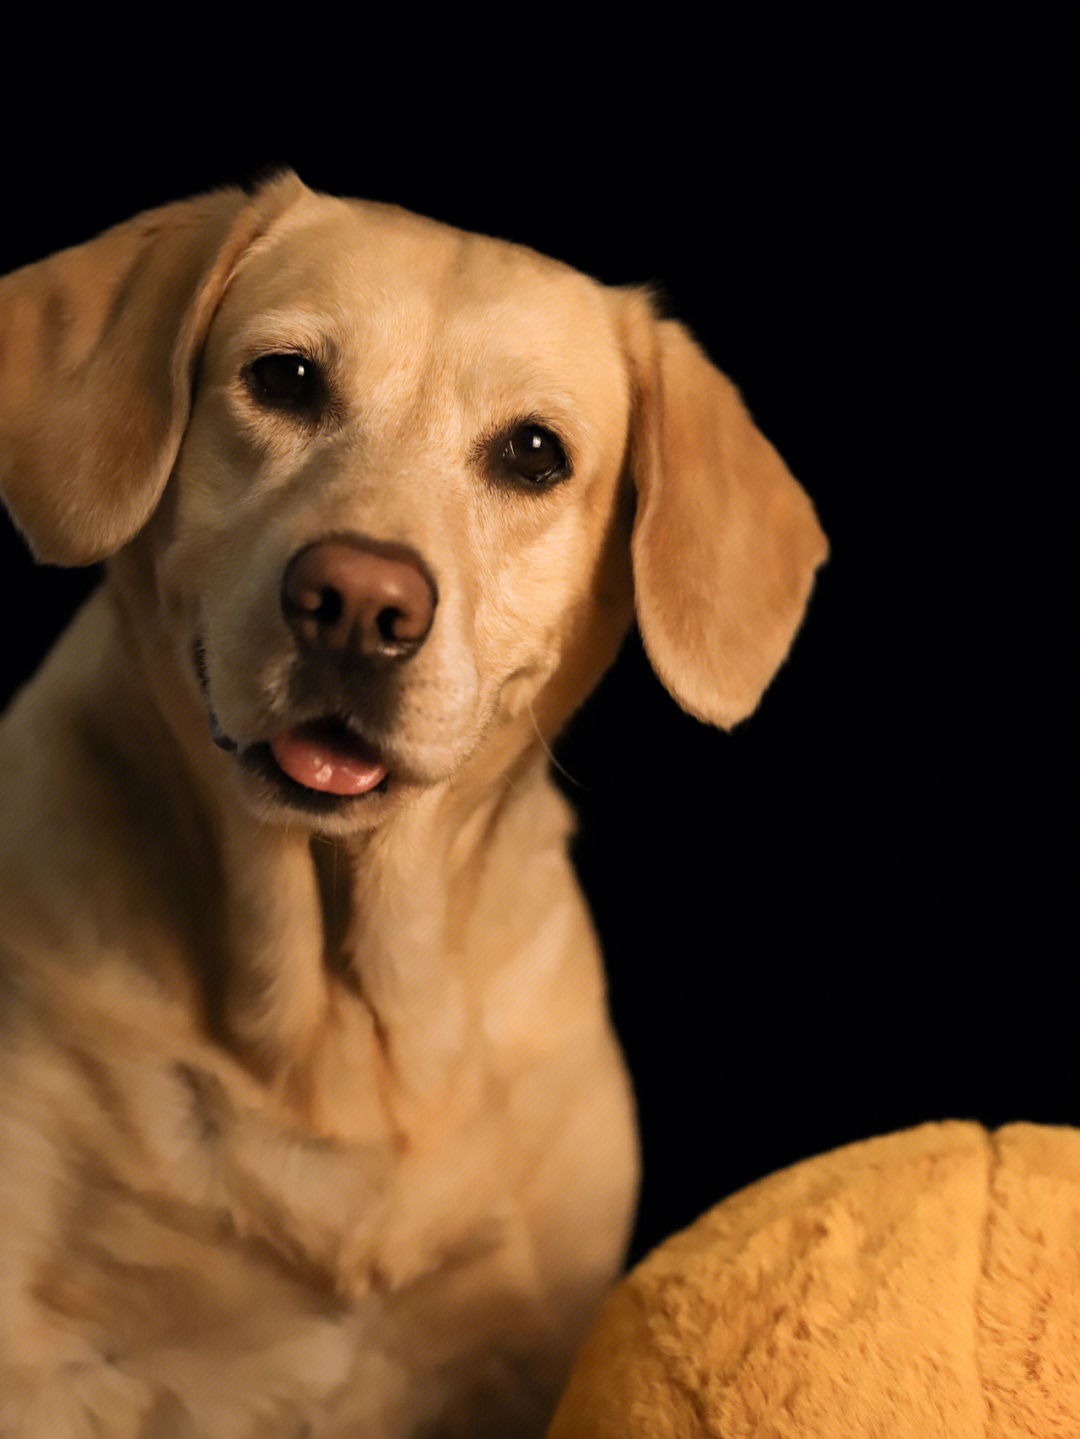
(312, 1118)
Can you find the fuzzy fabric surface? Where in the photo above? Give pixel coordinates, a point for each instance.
(921, 1285)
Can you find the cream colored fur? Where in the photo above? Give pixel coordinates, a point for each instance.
(319, 1127)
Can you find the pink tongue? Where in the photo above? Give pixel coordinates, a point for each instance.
(328, 758)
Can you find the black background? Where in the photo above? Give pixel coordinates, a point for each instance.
(854, 912)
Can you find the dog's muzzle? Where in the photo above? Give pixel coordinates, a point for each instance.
(354, 606)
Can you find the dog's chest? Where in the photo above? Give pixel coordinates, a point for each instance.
(319, 1283)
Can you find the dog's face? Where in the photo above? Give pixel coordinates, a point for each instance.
(396, 502)
(398, 489)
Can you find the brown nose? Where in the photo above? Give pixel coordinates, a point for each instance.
(354, 599)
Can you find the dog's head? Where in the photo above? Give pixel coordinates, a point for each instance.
(399, 489)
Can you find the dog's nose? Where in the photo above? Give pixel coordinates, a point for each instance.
(355, 599)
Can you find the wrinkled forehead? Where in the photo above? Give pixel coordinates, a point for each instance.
(387, 287)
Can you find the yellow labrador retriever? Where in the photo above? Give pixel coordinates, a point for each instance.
(312, 1120)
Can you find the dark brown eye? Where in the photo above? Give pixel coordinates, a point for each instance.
(532, 455)
(287, 382)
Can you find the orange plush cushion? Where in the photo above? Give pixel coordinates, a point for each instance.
(923, 1285)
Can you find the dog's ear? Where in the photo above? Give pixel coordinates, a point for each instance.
(98, 345)
(725, 541)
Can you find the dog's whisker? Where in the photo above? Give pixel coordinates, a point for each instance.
(578, 784)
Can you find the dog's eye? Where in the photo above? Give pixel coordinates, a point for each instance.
(286, 382)
(532, 455)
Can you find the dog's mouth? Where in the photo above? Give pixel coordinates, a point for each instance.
(326, 756)
(320, 768)
(321, 759)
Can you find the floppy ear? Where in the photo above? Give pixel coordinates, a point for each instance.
(98, 345)
(725, 542)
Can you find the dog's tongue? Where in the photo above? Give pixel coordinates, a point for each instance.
(325, 756)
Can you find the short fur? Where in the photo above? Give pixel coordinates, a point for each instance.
(317, 1125)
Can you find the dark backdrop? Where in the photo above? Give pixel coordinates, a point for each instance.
(853, 913)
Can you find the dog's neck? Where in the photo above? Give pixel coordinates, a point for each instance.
(348, 953)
